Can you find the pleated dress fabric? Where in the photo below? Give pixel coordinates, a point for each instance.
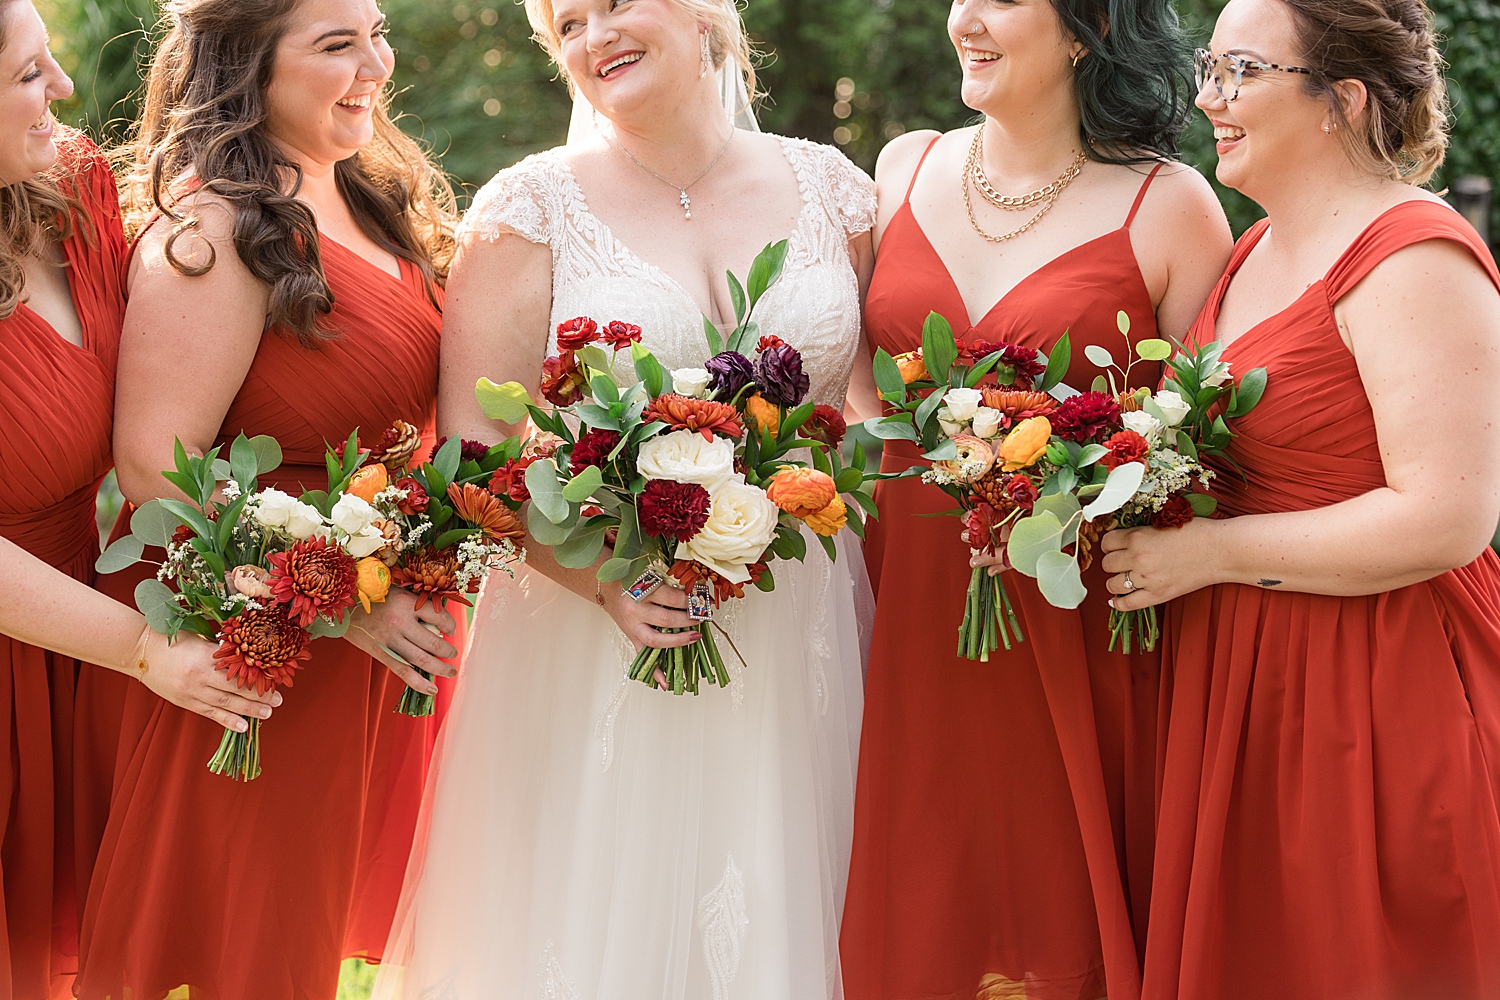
(56, 411)
(1003, 821)
(1330, 788)
(257, 889)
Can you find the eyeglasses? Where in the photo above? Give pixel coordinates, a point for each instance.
(1228, 71)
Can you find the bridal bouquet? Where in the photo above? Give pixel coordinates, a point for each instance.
(690, 471)
(980, 411)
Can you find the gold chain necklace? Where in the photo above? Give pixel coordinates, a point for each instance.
(1047, 196)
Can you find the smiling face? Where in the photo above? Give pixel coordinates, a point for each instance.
(29, 80)
(328, 70)
(625, 55)
(1274, 125)
(1014, 53)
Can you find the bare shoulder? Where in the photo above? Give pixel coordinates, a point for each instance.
(199, 238)
(1180, 196)
(898, 160)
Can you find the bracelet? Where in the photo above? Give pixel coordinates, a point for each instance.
(599, 593)
(138, 658)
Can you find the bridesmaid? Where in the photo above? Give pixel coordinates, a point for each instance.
(61, 306)
(1003, 825)
(274, 186)
(1330, 797)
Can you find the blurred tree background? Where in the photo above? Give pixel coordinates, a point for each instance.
(854, 72)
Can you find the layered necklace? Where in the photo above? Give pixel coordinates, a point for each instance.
(682, 189)
(1046, 197)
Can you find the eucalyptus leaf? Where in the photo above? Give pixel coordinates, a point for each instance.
(1030, 538)
(583, 485)
(506, 403)
(544, 531)
(1203, 505)
(153, 524)
(267, 453)
(1064, 507)
(322, 628)
(582, 550)
(124, 553)
(1122, 484)
(1122, 320)
(1098, 355)
(614, 569)
(158, 603)
(593, 356)
(1058, 579)
(1149, 405)
(221, 471)
(546, 491)
(1153, 350)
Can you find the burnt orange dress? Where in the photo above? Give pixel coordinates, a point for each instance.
(245, 890)
(56, 411)
(1330, 797)
(1003, 818)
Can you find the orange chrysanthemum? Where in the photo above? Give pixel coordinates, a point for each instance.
(262, 649)
(484, 510)
(687, 572)
(707, 417)
(1017, 404)
(431, 574)
(314, 578)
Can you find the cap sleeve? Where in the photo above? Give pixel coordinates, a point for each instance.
(520, 199)
(847, 190)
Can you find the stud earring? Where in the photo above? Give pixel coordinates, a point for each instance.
(708, 56)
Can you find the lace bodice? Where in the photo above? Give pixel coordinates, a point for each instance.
(814, 306)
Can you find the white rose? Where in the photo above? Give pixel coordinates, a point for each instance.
(1172, 406)
(986, 422)
(1143, 424)
(352, 515)
(741, 523)
(945, 421)
(683, 456)
(1219, 375)
(962, 403)
(303, 520)
(272, 507)
(365, 543)
(691, 382)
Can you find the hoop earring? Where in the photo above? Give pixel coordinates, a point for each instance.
(1076, 58)
(708, 56)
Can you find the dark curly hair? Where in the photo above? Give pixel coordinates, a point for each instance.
(1133, 84)
(203, 129)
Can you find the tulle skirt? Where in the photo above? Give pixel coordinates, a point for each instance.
(585, 837)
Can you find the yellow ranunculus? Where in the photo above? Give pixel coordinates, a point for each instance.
(801, 492)
(369, 481)
(831, 519)
(1026, 443)
(763, 415)
(374, 581)
(911, 367)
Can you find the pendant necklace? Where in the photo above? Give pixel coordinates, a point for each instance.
(682, 189)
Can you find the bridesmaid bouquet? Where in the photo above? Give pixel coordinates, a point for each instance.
(688, 470)
(980, 411)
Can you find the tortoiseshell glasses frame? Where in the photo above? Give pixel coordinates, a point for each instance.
(1228, 71)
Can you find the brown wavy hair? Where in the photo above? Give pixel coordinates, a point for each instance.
(203, 129)
(1390, 47)
(34, 214)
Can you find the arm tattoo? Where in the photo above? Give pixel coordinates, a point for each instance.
(1270, 583)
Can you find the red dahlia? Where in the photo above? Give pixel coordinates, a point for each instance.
(1174, 513)
(620, 335)
(262, 649)
(1124, 448)
(981, 526)
(576, 333)
(314, 578)
(827, 425)
(1086, 417)
(673, 510)
(593, 448)
(416, 497)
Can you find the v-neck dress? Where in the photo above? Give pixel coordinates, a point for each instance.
(1003, 823)
(246, 890)
(1330, 790)
(56, 415)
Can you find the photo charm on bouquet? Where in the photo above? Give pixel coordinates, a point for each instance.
(690, 471)
(264, 573)
(1043, 471)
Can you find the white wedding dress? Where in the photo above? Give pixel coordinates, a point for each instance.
(584, 836)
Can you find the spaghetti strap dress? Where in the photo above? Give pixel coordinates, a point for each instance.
(1330, 797)
(248, 890)
(56, 413)
(1003, 820)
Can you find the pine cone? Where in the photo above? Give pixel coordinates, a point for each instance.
(1089, 533)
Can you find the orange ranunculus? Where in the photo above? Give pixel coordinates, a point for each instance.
(374, 581)
(831, 519)
(369, 481)
(482, 509)
(911, 367)
(974, 459)
(1026, 443)
(801, 492)
(763, 415)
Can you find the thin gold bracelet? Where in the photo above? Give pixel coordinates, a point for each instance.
(138, 658)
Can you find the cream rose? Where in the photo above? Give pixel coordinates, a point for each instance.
(272, 507)
(741, 523)
(1143, 424)
(369, 540)
(352, 514)
(962, 403)
(684, 457)
(303, 520)
(986, 422)
(1219, 375)
(1172, 406)
(691, 382)
(951, 428)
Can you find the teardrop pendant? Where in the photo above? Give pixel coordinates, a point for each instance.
(687, 203)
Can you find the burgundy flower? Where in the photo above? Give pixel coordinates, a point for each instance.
(769, 342)
(673, 510)
(562, 380)
(1174, 513)
(731, 372)
(576, 333)
(779, 374)
(468, 451)
(827, 425)
(1124, 448)
(1086, 417)
(416, 497)
(593, 448)
(981, 525)
(1025, 362)
(1022, 491)
(183, 535)
(620, 335)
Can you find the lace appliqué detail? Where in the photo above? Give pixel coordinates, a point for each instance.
(727, 617)
(517, 199)
(604, 729)
(723, 922)
(554, 986)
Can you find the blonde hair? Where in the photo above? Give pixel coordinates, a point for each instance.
(727, 38)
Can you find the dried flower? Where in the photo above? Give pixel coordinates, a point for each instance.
(682, 413)
(779, 376)
(731, 372)
(314, 577)
(261, 648)
(576, 333)
(397, 446)
(673, 510)
(562, 380)
(831, 519)
(801, 492)
(593, 448)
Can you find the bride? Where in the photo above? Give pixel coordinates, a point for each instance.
(586, 837)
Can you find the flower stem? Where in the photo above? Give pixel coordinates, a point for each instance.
(414, 703)
(238, 755)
